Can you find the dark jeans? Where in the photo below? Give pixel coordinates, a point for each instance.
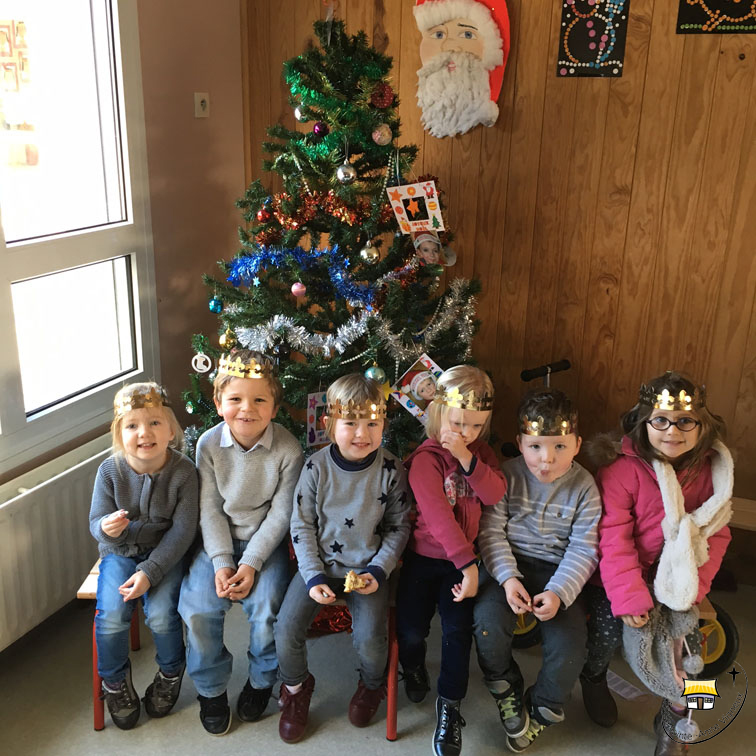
(563, 638)
(423, 584)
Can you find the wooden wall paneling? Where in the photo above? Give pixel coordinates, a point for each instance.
(387, 33)
(641, 246)
(578, 228)
(705, 269)
(409, 113)
(669, 307)
(257, 82)
(612, 212)
(462, 192)
(551, 203)
(522, 193)
(358, 16)
(735, 303)
(304, 36)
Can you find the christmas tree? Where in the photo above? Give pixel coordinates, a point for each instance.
(324, 280)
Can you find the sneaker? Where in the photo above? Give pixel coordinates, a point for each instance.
(215, 714)
(416, 683)
(364, 704)
(447, 739)
(295, 707)
(519, 744)
(544, 714)
(122, 701)
(252, 702)
(598, 701)
(513, 715)
(162, 694)
(540, 718)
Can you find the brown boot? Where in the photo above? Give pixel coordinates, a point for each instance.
(294, 710)
(598, 701)
(364, 704)
(665, 745)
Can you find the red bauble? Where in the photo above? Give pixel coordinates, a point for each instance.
(263, 215)
(382, 96)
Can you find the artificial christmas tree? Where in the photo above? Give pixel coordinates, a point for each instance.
(312, 284)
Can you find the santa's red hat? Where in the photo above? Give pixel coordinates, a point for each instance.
(491, 18)
(412, 380)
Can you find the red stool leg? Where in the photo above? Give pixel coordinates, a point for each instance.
(136, 643)
(97, 703)
(392, 682)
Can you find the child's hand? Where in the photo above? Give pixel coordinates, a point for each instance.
(137, 585)
(546, 605)
(222, 581)
(455, 445)
(241, 582)
(635, 620)
(371, 584)
(113, 525)
(322, 594)
(469, 585)
(517, 597)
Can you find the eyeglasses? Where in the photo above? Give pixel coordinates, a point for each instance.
(685, 424)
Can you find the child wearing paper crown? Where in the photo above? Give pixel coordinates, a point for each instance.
(539, 547)
(351, 515)
(454, 474)
(666, 498)
(248, 467)
(144, 518)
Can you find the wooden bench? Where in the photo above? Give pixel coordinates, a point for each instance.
(88, 590)
(743, 513)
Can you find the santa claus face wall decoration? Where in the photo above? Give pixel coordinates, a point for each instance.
(464, 49)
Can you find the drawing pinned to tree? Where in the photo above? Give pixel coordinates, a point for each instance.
(316, 404)
(592, 41)
(416, 207)
(716, 16)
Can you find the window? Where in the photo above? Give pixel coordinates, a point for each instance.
(77, 302)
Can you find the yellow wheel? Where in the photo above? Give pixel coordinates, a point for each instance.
(527, 633)
(721, 643)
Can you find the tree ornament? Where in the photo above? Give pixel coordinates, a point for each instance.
(228, 339)
(320, 129)
(263, 215)
(298, 289)
(201, 363)
(376, 374)
(369, 253)
(346, 173)
(215, 305)
(435, 270)
(382, 134)
(299, 115)
(382, 95)
(282, 352)
(190, 407)
(449, 256)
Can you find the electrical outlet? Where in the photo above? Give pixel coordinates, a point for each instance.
(201, 105)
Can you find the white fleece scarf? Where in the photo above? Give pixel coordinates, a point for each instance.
(686, 535)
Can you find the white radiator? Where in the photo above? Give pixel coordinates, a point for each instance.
(46, 549)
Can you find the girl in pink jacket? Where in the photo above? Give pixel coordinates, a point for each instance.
(663, 533)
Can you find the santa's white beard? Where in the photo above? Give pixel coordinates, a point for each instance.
(454, 101)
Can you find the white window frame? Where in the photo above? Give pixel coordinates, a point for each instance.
(23, 439)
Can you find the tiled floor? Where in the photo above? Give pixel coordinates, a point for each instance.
(45, 705)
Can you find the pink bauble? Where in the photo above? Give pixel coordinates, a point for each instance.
(298, 289)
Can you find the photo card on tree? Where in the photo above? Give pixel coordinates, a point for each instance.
(416, 387)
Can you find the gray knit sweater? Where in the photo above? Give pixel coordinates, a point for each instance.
(246, 494)
(162, 512)
(555, 522)
(350, 519)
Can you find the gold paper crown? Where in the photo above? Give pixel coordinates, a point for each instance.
(140, 400)
(352, 410)
(236, 368)
(470, 401)
(559, 425)
(665, 400)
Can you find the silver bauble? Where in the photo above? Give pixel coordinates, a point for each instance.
(346, 173)
(369, 253)
(299, 115)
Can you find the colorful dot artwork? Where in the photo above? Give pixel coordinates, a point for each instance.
(716, 16)
(592, 41)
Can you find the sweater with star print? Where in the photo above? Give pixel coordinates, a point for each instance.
(350, 516)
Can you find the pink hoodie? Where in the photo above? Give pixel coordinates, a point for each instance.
(630, 534)
(449, 502)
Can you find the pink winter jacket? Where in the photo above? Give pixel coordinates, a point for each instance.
(630, 534)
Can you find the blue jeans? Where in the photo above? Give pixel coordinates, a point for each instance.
(423, 583)
(369, 630)
(114, 617)
(208, 661)
(563, 637)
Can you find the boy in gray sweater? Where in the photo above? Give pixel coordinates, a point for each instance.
(539, 547)
(248, 467)
(351, 514)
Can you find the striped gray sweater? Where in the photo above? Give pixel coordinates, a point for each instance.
(555, 522)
